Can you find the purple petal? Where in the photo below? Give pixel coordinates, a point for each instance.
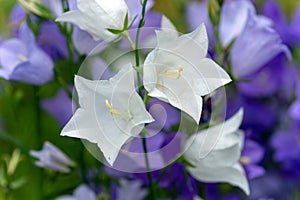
(234, 16)
(197, 13)
(254, 47)
(266, 81)
(60, 107)
(52, 41)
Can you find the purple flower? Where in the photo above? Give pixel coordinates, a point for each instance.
(60, 107)
(164, 114)
(131, 190)
(289, 32)
(286, 145)
(294, 110)
(252, 154)
(257, 44)
(266, 81)
(83, 41)
(50, 157)
(197, 13)
(17, 17)
(23, 61)
(255, 113)
(52, 41)
(82, 192)
(234, 16)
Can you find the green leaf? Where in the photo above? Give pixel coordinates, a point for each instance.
(126, 22)
(115, 31)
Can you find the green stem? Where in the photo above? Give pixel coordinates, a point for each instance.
(137, 62)
(126, 35)
(39, 137)
(149, 175)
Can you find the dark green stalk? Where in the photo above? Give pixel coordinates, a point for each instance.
(137, 62)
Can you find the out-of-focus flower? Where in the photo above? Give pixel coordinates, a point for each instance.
(97, 16)
(234, 16)
(131, 190)
(59, 107)
(82, 192)
(289, 31)
(164, 114)
(286, 146)
(266, 81)
(252, 154)
(83, 41)
(197, 13)
(248, 55)
(177, 72)
(220, 163)
(50, 157)
(110, 113)
(52, 41)
(294, 109)
(255, 113)
(22, 60)
(17, 17)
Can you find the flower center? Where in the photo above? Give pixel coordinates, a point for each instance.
(173, 74)
(22, 57)
(112, 111)
(245, 160)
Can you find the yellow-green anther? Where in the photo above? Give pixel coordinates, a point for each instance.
(112, 111)
(22, 57)
(173, 74)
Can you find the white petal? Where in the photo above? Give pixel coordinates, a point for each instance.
(233, 175)
(208, 77)
(86, 23)
(168, 26)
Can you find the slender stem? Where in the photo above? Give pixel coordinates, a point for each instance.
(137, 62)
(126, 35)
(149, 175)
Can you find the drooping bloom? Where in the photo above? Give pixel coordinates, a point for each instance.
(177, 72)
(220, 163)
(252, 154)
(82, 192)
(110, 113)
(22, 60)
(50, 157)
(256, 45)
(234, 16)
(131, 190)
(96, 16)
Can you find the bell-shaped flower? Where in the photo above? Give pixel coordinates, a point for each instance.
(22, 60)
(257, 44)
(97, 16)
(110, 113)
(178, 72)
(234, 16)
(220, 163)
(80, 193)
(50, 157)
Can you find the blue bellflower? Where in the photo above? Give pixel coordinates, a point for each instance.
(22, 60)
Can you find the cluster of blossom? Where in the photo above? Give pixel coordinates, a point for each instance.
(136, 107)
